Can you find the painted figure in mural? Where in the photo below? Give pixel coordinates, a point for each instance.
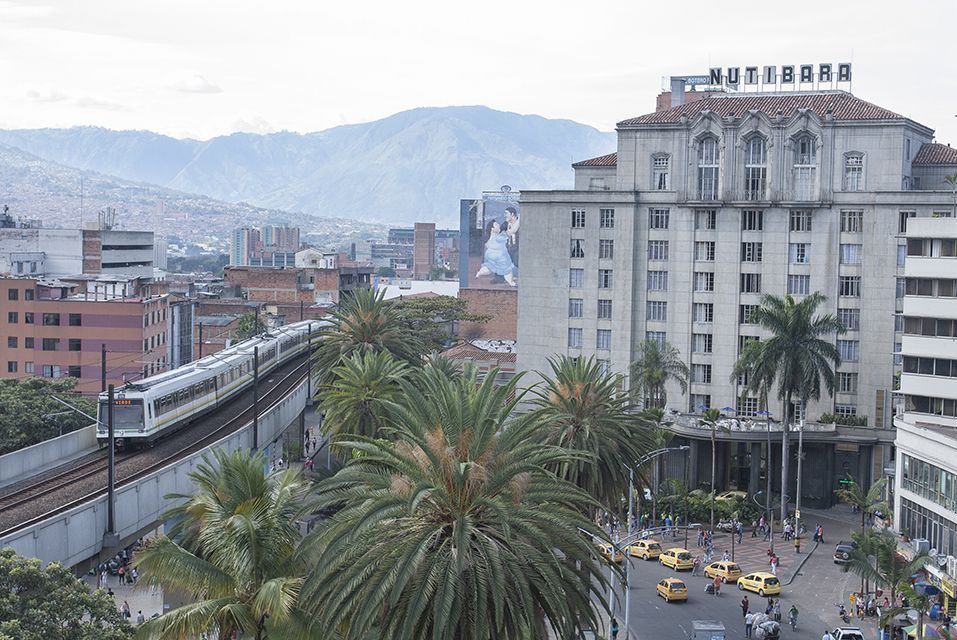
(497, 260)
(512, 223)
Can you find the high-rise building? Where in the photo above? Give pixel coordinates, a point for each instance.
(244, 242)
(925, 495)
(423, 250)
(709, 205)
(270, 245)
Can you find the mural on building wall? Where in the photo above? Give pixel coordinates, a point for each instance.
(490, 230)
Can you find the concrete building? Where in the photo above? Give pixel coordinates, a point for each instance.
(242, 244)
(182, 318)
(423, 250)
(62, 252)
(270, 245)
(160, 252)
(925, 489)
(56, 329)
(707, 206)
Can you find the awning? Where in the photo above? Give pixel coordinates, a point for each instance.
(929, 631)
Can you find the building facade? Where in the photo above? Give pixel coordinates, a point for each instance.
(707, 206)
(925, 489)
(52, 331)
(423, 250)
(63, 252)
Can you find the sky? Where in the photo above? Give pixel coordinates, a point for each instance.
(202, 68)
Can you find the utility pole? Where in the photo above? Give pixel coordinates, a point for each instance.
(300, 311)
(797, 509)
(103, 368)
(110, 538)
(200, 340)
(255, 398)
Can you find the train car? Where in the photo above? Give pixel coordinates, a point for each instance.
(152, 408)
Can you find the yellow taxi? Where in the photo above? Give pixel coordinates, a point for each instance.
(676, 558)
(731, 495)
(672, 589)
(761, 583)
(727, 571)
(607, 551)
(645, 549)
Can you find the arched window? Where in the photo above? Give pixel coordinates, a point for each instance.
(805, 167)
(755, 169)
(708, 157)
(854, 172)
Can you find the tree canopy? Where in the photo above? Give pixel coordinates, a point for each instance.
(50, 603)
(434, 319)
(29, 415)
(249, 325)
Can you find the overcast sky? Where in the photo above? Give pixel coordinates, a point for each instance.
(201, 68)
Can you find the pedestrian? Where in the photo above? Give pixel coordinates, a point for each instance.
(740, 531)
(748, 624)
(696, 565)
(726, 556)
(776, 611)
(125, 610)
(717, 586)
(614, 628)
(745, 606)
(135, 575)
(774, 565)
(110, 593)
(820, 534)
(700, 537)
(103, 579)
(754, 528)
(140, 618)
(770, 607)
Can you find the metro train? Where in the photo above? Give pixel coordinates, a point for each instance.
(149, 409)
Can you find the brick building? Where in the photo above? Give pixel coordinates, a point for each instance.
(502, 308)
(56, 329)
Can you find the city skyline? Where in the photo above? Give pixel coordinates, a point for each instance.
(175, 69)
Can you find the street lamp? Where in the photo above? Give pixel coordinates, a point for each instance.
(767, 476)
(648, 457)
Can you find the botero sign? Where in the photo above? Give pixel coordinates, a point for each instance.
(790, 74)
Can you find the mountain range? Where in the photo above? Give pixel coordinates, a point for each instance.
(408, 167)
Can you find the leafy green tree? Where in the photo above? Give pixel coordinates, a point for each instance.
(249, 325)
(233, 552)
(29, 415)
(434, 320)
(354, 402)
(656, 365)
(580, 408)
(875, 560)
(917, 599)
(798, 357)
(50, 603)
(456, 530)
(364, 323)
(864, 501)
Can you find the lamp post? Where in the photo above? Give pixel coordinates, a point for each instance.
(631, 501)
(767, 477)
(797, 507)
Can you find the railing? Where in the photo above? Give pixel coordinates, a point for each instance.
(746, 425)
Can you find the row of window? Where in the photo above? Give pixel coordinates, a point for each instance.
(602, 338)
(47, 344)
(931, 366)
(48, 319)
(606, 218)
(921, 522)
(932, 247)
(940, 327)
(153, 317)
(936, 287)
(576, 278)
(14, 294)
(576, 307)
(606, 248)
(46, 371)
(935, 406)
(929, 481)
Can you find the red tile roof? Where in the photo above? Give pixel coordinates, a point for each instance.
(842, 105)
(609, 160)
(465, 349)
(936, 153)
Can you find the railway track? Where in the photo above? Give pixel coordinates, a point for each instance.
(86, 479)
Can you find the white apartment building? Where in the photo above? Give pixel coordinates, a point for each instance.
(706, 206)
(925, 496)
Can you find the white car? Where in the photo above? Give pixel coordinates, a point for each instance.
(848, 633)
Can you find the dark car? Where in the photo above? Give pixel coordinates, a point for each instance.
(842, 552)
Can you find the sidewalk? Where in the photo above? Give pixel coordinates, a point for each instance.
(139, 596)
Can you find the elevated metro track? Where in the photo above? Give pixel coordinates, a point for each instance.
(31, 502)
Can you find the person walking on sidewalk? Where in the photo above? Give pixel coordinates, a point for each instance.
(614, 628)
(745, 606)
(696, 566)
(748, 624)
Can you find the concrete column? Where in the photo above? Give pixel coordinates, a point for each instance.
(693, 461)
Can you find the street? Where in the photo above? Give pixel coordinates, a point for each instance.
(819, 585)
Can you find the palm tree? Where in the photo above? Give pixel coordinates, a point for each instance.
(581, 408)
(656, 365)
(365, 322)
(876, 560)
(354, 402)
(710, 418)
(795, 358)
(232, 553)
(917, 599)
(456, 530)
(864, 501)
